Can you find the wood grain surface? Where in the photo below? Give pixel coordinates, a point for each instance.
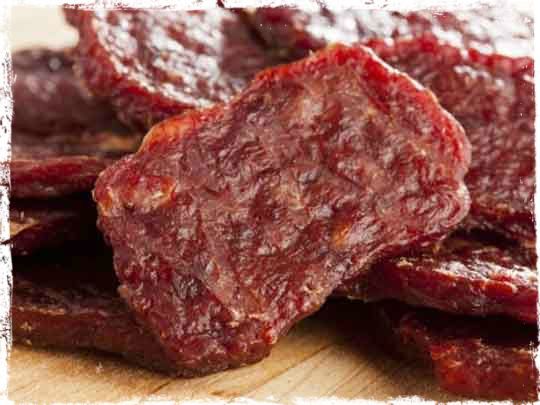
(316, 360)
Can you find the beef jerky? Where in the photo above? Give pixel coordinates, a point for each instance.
(464, 276)
(67, 138)
(69, 301)
(153, 64)
(64, 163)
(491, 358)
(296, 32)
(36, 225)
(48, 98)
(73, 15)
(231, 224)
(492, 96)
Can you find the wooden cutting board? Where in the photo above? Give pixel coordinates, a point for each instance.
(316, 360)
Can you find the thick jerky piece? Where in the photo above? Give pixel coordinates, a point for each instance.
(520, 229)
(492, 96)
(491, 358)
(47, 97)
(153, 64)
(463, 276)
(231, 224)
(54, 177)
(67, 137)
(63, 164)
(296, 32)
(107, 144)
(36, 225)
(70, 302)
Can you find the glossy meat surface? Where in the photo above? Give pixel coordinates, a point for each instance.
(464, 276)
(69, 301)
(492, 96)
(47, 97)
(491, 358)
(62, 164)
(153, 64)
(36, 224)
(231, 224)
(296, 32)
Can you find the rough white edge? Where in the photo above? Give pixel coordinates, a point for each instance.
(5, 254)
(402, 5)
(537, 148)
(169, 4)
(5, 136)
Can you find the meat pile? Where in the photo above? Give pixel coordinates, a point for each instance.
(245, 166)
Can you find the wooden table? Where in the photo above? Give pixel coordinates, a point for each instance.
(316, 360)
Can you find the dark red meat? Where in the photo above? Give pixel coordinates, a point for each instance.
(36, 225)
(73, 14)
(490, 358)
(69, 136)
(231, 224)
(48, 98)
(492, 96)
(463, 276)
(153, 64)
(70, 301)
(295, 32)
(64, 163)
(107, 144)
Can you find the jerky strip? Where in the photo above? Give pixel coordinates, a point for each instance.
(295, 33)
(36, 225)
(48, 98)
(63, 164)
(492, 96)
(71, 302)
(463, 276)
(491, 358)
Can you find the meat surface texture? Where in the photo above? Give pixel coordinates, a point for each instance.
(492, 96)
(36, 224)
(153, 64)
(464, 276)
(62, 136)
(296, 32)
(490, 358)
(70, 302)
(48, 98)
(62, 164)
(231, 224)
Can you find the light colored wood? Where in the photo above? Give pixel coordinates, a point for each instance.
(315, 360)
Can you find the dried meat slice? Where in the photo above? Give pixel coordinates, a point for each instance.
(490, 358)
(36, 224)
(231, 224)
(69, 301)
(296, 32)
(492, 96)
(62, 136)
(48, 98)
(65, 163)
(153, 64)
(73, 15)
(463, 276)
